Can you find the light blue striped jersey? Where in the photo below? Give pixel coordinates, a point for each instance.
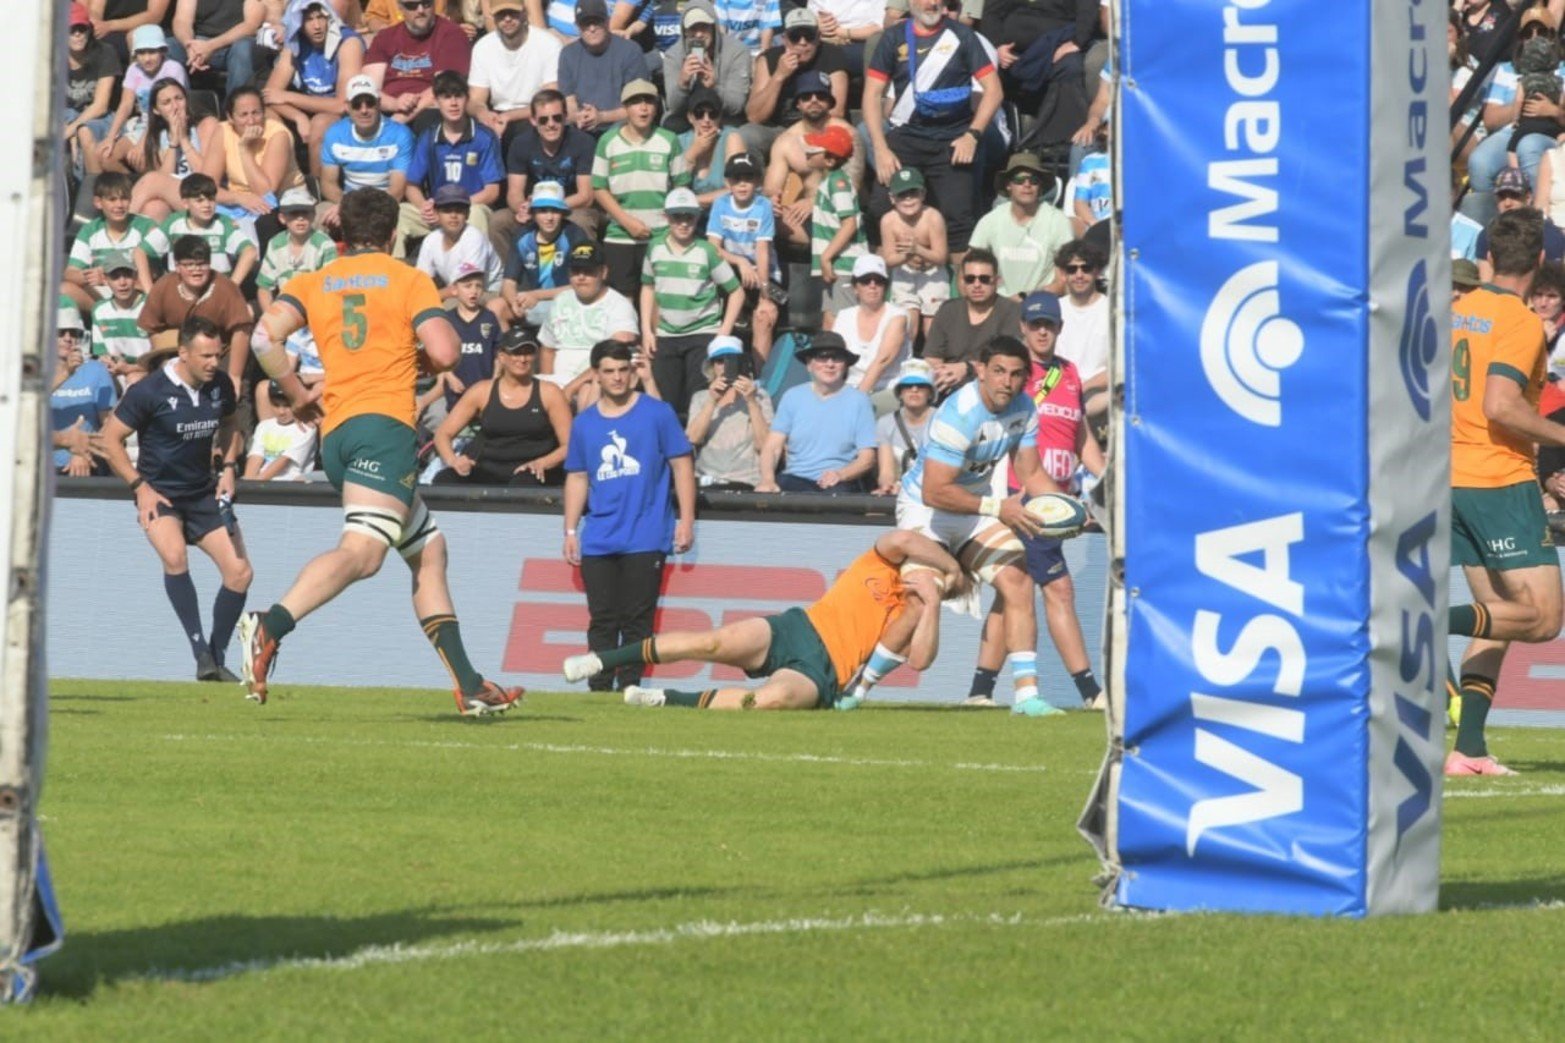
(966, 435)
(367, 163)
(737, 231)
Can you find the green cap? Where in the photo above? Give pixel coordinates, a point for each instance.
(905, 180)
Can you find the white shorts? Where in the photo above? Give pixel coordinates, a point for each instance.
(952, 531)
(922, 292)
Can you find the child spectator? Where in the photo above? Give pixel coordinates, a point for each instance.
(680, 310)
(233, 251)
(456, 243)
(635, 166)
(1537, 63)
(298, 248)
(903, 431)
(837, 239)
(590, 313)
(479, 330)
(82, 395)
(149, 64)
(1092, 189)
(117, 341)
(913, 243)
(282, 448)
(114, 230)
(537, 271)
(743, 227)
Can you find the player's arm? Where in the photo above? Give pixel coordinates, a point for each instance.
(1504, 403)
(279, 322)
(924, 645)
(943, 492)
(1027, 466)
(442, 346)
(114, 433)
(902, 546)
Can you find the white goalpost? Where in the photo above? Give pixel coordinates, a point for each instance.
(31, 222)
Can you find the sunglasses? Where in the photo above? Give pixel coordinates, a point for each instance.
(704, 114)
(1026, 179)
(294, 215)
(84, 29)
(682, 218)
(982, 280)
(416, 5)
(363, 102)
(590, 23)
(872, 280)
(555, 117)
(521, 350)
(1077, 268)
(72, 334)
(802, 35)
(509, 12)
(822, 95)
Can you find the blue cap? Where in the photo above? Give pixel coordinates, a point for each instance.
(451, 194)
(1041, 305)
(721, 347)
(811, 81)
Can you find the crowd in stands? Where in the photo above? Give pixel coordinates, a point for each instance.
(807, 219)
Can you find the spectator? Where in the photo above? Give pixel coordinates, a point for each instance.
(457, 245)
(251, 159)
(913, 243)
(729, 419)
(383, 14)
(479, 332)
(706, 58)
(753, 23)
(537, 271)
(1084, 337)
(149, 49)
(901, 433)
(233, 252)
(1504, 106)
(625, 453)
(743, 227)
(560, 17)
(874, 331)
(93, 71)
(363, 150)
(1512, 192)
(117, 341)
(170, 150)
(194, 290)
(458, 151)
(114, 230)
(320, 56)
(635, 167)
(837, 236)
(963, 326)
(1092, 189)
(826, 428)
(774, 83)
(219, 35)
(597, 70)
(935, 127)
(708, 146)
(510, 66)
(589, 314)
(653, 25)
(1022, 231)
(1043, 48)
(850, 25)
(550, 150)
(81, 397)
(282, 448)
(405, 57)
(791, 178)
(298, 248)
(523, 425)
(1546, 298)
(680, 306)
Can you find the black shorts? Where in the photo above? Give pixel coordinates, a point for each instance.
(198, 515)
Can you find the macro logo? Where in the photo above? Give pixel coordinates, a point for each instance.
(1247, 343)
(1420, 341)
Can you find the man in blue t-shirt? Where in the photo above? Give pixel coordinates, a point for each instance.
(183, 416)
(458, 150)
(82, 397)
(362, 150)
(827, 428)
(625, 453)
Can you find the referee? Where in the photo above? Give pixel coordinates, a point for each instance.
(182, 413)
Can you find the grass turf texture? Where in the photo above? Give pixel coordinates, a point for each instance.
(365, 864)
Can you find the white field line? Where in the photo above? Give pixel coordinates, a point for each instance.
(1517, 791)
(612, 751)
(701, 930)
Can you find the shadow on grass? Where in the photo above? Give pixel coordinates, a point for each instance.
(1487, 894)
(92, 698)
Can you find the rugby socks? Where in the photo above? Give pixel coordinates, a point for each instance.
(1024, 675)
(226, 608)
(633, 654)
(692, 700)
(1087, 685)
(182, 595)
(983, 683)
(446, 636)
(1477, 695)
(881, 662)
(1468, 620)
(278, 622)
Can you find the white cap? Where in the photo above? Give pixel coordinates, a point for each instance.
(724, 345)
(870, 264)
(681, 199)
(296, 199)
(549, 195)
(361, 85)
(68, 318)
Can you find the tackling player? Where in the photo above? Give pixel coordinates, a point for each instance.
(1499, 531)
(947, 497)
(884, 610)
(368, 314)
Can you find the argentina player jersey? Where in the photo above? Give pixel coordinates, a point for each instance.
(966, 435)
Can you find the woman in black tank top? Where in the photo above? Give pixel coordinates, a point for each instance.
(523, 425)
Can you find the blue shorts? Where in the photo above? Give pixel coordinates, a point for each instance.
(1046, 559)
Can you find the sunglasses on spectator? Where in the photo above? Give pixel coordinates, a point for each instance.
(416, 5)
(982, 280)
(704, 114)
(822, 95)
(589, 23)
(1078, 267)
(72, 334)
(363, 102)
(872, 280)
(802, 35)
(295, 214)
(1026, 179)
(81, 29)
(553, 117)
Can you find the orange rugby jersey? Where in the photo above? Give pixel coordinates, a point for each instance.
(363, 309)
(852, 615)
(1494, 336)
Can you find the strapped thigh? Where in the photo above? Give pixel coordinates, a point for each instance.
(376, 522)
(420, 530)
(991, 550)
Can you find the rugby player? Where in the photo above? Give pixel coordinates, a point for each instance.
(1499, 530)
(884, 610)
(947, 496)
(369, 315)
(182, 414)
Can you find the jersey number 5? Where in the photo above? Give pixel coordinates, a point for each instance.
(355, 324)
(1461, 371)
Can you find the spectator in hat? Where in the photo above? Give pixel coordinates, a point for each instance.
(193, 289)
(708, 146)
(1464, 277)
(1022, 231)
(635, 167)
(837, 227)
(913, 244)
(591, 312)
(219, 35)
(308, 84)
(706, 57)
(729, 419)
(510, 66)
(150, 65)
(364, 149)
(825, 428)
(300, 247)
(524, 424)
(458, 151)
(116, 340)
(282, 449)
(405, 58)
(456, 246)
(596, 69)
(1513, 192)
(79, 400)
(791, 179)
(875, 331)
(935, 123)
(901, 433)
(742, 226)
(549, 149)
(537, 271)
(775, 80)
(93, 71)
(964, 325)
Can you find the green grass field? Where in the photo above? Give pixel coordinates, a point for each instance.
(364, 864)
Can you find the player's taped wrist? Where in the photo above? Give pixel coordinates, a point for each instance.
(989, 507)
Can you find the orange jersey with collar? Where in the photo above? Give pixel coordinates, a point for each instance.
(362, 310)
(1494, 336)
(852, 615)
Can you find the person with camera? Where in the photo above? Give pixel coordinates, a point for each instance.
(523, 424)
(706, 58)
(729, 419)
(903, 431)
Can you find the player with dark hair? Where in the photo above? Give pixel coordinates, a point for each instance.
(1499, 531)
(369, 314)
(183, 416)
(884, 610)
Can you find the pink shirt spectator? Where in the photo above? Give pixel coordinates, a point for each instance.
(411, 63)
(1055, 390)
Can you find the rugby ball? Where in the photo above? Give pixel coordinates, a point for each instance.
(1060, 516)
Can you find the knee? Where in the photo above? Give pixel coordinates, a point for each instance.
(1014, 585)
(1545, 625)
(239, 576)
(367, 557)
